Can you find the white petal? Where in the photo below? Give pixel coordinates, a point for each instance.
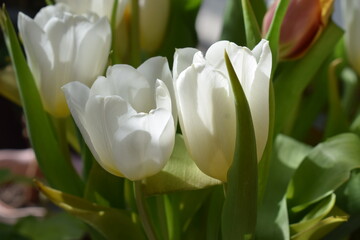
(145, 143)
(245, 65)
(48, 12)
(97, 37)
(183, 58)
(158, 68)
(162, 95)
(207, 118)
(128, 83)
(41, 59)
(262, 53)
(215, 55)
(77, 94)
(37, 47)
(102, 116)
(259, 107)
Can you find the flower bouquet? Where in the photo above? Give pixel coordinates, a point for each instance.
(255, 138)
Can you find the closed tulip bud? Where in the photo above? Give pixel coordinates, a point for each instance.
(153, 17)
(206, 103)
(302, 25)
(351, 15)
(100, 7)
(126, 118)
(60, 48)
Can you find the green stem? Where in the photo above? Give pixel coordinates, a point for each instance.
(60, 126)
(160, 204)
(143, 213)
(114, 57)
(135, 44)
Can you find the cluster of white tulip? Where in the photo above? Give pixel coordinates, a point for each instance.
(128, 118)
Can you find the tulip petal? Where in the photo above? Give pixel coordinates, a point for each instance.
(163, 97)
(87, 36)
(259, 108)
(262, 53)
(77, 95)
(215, 55)
(145, 143)
(158, 68)
(51, 11)
(102, 116)
(183, 58)
(37, 47)
(245, 66)
(207, 118)
(127, 82)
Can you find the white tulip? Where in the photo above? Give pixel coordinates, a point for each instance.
(100, 7)
(60, 48)
(206, 103)
(153, 18)
(351, 15)
(126, 118)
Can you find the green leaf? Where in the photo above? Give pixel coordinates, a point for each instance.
(273, 34)
(259, 8)
(273, 222)
(239, 211)
(311, 106)
(110, 222)
(253, 34)
(320, 229)
(179, 174)
(316, 214)
(233, 28)
(349, 194)
(56, 227)
(325, 169)
(294, 76)
(48, 153)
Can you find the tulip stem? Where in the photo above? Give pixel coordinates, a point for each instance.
(60, 126)
(142, 210)
(135, 45)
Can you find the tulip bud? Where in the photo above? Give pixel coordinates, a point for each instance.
(60, 48)
(302, 25)
(206, 102)
(351, 15)
(153, 17)
(126, 118)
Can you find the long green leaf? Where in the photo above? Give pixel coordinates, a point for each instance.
(57, 169)
(233, 28)
(273, 34)
(110, 222)
(295, 76)
(253, 34)
(239, 211)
